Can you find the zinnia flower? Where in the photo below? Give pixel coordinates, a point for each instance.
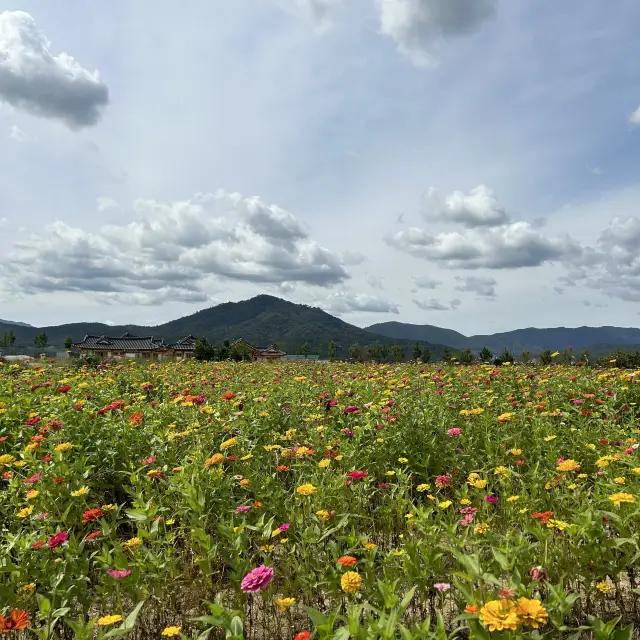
(306, 489)
(119, 574)
(347, 561)
(285, 603)
(619, 498)
(257, 579)
(456, 431)
(16, 621)
(106, 621)
(58, 539)
(531, 612)
(350, 582)
(169, 632)
(497, 615)
(442, 586)
(303, 635)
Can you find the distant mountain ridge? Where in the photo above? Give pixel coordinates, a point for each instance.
(13, 322)
(596, 340)
(262, 320)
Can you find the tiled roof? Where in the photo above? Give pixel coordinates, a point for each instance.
(186, 344)
(124, 343)
(129, 342)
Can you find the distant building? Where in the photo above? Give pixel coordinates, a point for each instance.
(259, 353)
(130, 346)
(297, 356)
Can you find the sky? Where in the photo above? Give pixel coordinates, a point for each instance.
(470, 164)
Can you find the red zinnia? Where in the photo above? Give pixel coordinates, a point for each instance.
(542, 517)
(91, 515)
(358, 475)
(56, 540)
(303, 635)
(37, 545)
(17, 620)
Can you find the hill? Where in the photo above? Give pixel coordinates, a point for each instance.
(596, 340)
(262, 320)
(13, 322)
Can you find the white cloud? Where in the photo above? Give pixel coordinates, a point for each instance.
(433, 304)
(344, 302)
(4, 222)
(48, 86)
(17, 134)
(425, 282)
(511, 246)
(320, 11)
(104, 203)
(484, 287)
(490, 241)
(172, 251)
(480, 208)
(635, 117)
(420, 26)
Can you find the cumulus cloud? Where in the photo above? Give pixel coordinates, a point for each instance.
(510, 246)
(425, 282)
(635, 117)
(483, 287)
(375, 282)
(34, 80)
(420, 26)
(433, 304)
(478, 208)
(344, 302)
(613, 265)
(172, 251)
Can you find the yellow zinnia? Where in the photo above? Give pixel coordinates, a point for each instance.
(350, 582)
(531, 612)
(497, 615)
(105, 621)
(306, 489)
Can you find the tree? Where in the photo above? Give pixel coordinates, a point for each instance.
(398, 352)
(465, 357)
(68, 342)
(304, 349)
(545, 357)
(426, 354)
(204, 351)
(375, 351)
(486, 354)
(41, 340)
(8, 338)
(355, 351)
(384, 352)
(417, 351)
(526, 357)
(446, 353)
(332, 350)
(505, 356)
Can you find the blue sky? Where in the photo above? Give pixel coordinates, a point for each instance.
(319, 127)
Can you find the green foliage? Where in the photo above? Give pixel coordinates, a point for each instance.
(204, 351)
(486, 354)
(398, 352)
(545, 358)
(41, 341)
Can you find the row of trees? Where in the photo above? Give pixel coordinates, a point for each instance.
(40, 340)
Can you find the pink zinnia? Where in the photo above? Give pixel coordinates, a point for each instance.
(491, 499)
(119, 574)
(33, 479)
(358, 475)
(443, 481)
(58, 539)
(456, 431)
(442, 586)
(243, 509)
(257, 579)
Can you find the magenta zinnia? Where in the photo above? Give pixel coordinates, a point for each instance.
(257, 579)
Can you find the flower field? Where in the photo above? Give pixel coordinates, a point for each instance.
(280, 501)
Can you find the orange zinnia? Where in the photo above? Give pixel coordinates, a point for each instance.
(228, 395)
(347, 561)
(17, 620)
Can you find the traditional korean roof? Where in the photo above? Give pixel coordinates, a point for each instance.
(187, 343)
(127, 342)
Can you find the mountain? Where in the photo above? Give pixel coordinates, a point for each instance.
(262, 321)
(16, 324)
(596, 340)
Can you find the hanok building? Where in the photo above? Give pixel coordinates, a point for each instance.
(259, 353)
(130, 346)
(184, 348)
